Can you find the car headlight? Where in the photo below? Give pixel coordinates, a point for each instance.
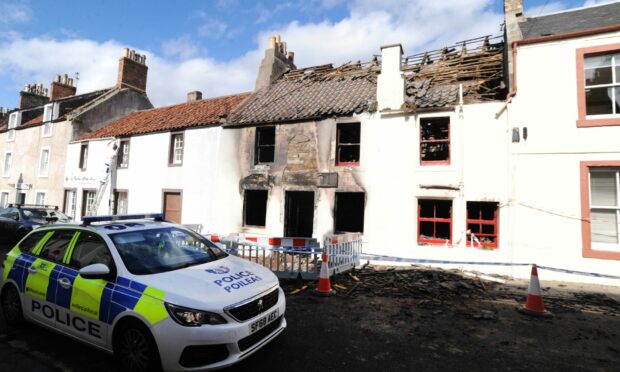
(193, 318)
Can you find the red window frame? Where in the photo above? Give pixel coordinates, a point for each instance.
(423, 141)
(434, 220)
(484, 222)
(340, 145)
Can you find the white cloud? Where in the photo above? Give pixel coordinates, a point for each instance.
(213, 28)
(14, 12)
(417, 24)
(182, 47)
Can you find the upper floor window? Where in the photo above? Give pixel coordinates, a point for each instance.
(6, 169)
(83, 156)
(14, 119)
(46, 129)
(348, 144)
(122, 159)
(602, 84)
(44, 162)
(435, 141)
(175, 156)
(265, 145)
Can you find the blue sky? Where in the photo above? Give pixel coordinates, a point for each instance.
(216, 46)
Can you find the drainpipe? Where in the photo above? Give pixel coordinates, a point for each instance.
(513, 92)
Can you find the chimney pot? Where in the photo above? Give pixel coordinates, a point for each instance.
(194, 96)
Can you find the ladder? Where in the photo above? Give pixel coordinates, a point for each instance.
(100, 191)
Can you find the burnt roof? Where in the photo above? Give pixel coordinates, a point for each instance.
(571, 21)
(311, 93)
(186, 115)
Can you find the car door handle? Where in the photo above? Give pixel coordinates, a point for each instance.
(32, 269)
(65, 283)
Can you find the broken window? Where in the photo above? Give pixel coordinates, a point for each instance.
(255, 208)
(602, 84)
(349, 212)
(265, 145)
(435, 141)
(83, 156)
(482, 224)
(348, 146)
(434, 221)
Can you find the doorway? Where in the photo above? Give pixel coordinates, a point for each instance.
(299, 214)
(21, 198)
(172, 206)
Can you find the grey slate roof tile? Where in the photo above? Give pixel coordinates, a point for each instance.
(571, 21)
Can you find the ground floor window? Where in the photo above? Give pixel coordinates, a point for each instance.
(88, 203)
(4, 199)
(605, 208)
(120, 202)
(70, 203)
(349, 212)
(255, 208)
(40, 198)
(482, 224)
(434, 221)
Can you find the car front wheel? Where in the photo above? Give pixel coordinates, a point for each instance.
(11, 305)
(135, 349)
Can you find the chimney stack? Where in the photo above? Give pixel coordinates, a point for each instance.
(513, 15)
(194, 96)
(391, 81)
(275, 63)
(62, 87)
(132, 71)
(33, 95)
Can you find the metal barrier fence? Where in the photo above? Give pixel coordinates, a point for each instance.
(294, 257)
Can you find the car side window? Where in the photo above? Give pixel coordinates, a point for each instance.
(90, 249)
(56, 246)
(31, 241)
(10, 213)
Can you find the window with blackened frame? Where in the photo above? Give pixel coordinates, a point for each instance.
(605, 208)
(602, 84)
(348, 144)
(434, 221)
(122, 158)
(435, 141)
(176, 149)
(349, 212)
(482, 224)
(255, 208)
(265, 145)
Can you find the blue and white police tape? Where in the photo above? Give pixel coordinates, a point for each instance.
(373, 257)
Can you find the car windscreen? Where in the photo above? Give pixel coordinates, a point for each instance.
(43, 214)
(158, 250)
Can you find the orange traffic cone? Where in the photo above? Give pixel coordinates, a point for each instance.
(324, 288)
(534, 303)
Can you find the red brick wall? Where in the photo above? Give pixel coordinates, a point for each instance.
(132, 74)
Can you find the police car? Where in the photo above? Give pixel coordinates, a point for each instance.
(152, 292)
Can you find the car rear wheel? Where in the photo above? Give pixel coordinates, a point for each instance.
(135, 349)
(11, 305)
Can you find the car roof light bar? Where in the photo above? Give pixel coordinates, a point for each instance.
(90, 219)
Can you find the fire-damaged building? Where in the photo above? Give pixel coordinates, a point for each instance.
(388, 148)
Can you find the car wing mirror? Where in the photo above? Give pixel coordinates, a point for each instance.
(94, 271)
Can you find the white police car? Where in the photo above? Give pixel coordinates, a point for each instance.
(152, 292)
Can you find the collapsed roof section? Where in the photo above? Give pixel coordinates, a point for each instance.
(433, 78)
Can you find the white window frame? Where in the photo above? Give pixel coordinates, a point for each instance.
(613, 85)
(123, 153)
(90, 203)
(6, 173)
(45, 172)
(48, 116)
(178, 146)
(36, 195)
(70, 201)
(14, 119)
(598, 246)
(6, 201)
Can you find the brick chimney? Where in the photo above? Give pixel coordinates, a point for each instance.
(391, 82)
(132, 71)
(194, 96)
(513, 15)
(33, 95)
(275, 63)
(62, 87)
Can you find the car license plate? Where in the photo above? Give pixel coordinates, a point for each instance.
(262, 322)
